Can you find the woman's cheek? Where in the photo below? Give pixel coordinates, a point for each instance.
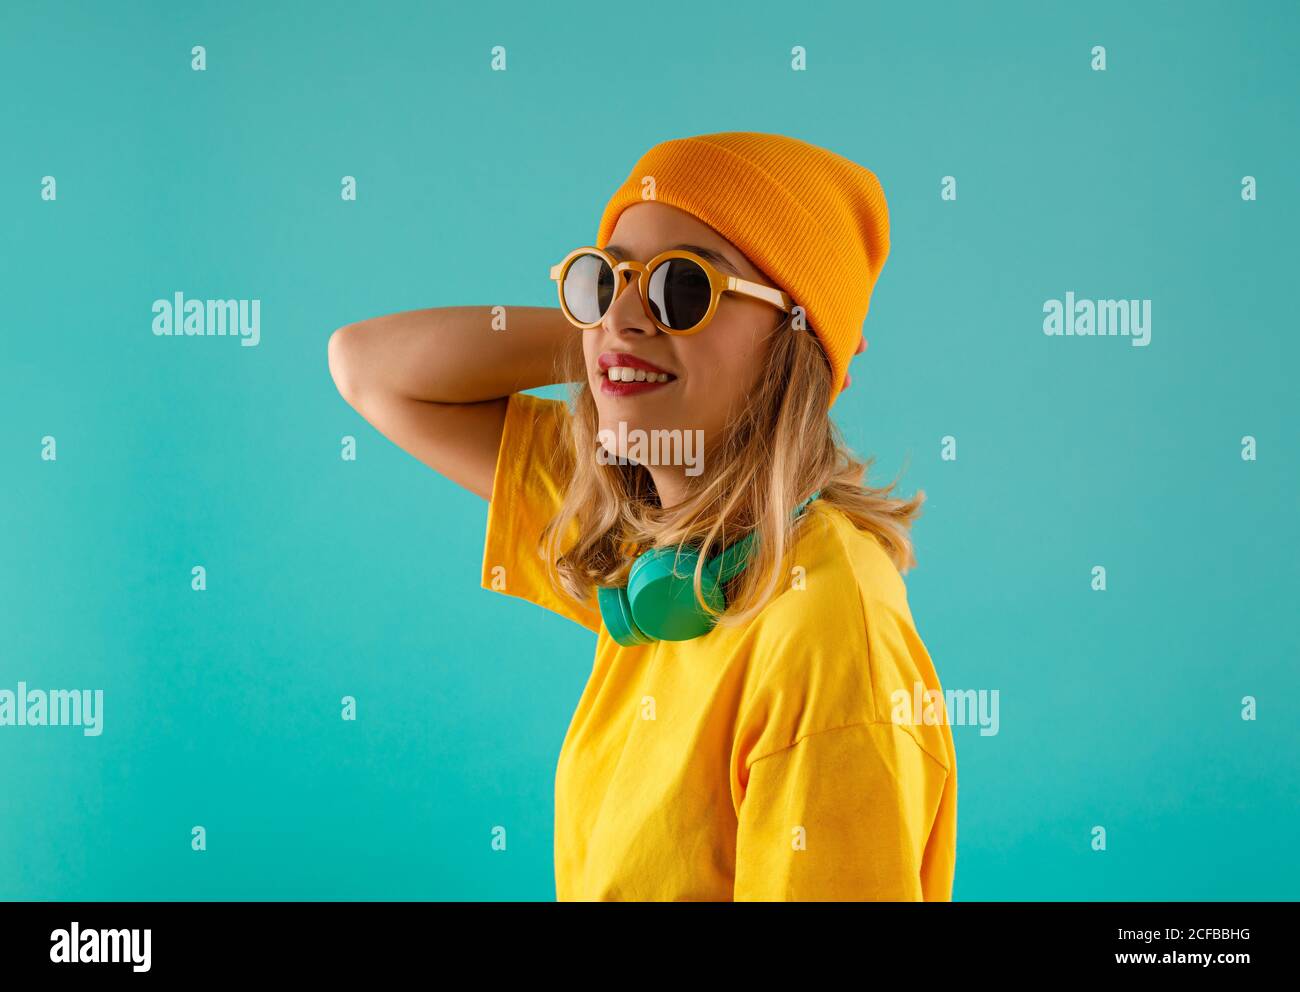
(727, 384)
(705, 401)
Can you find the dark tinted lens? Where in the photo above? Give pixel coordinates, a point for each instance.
(588, 288)
(679, 293)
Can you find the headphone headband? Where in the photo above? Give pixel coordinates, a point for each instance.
(658, 602)
(732, 561)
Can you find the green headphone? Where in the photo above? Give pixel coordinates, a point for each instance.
(658, 602)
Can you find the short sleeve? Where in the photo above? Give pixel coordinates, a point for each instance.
(527, 489)
(847, 814)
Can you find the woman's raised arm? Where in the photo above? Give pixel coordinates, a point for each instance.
(435, 381)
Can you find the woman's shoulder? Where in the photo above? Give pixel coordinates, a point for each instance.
(837, 562)
(533, 452)
(840, 639)
(537, 410)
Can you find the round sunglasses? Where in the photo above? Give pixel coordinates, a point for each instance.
(679, 290)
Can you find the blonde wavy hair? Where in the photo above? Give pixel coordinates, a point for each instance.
(781, 449)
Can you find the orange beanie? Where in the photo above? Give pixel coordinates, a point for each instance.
(815, 223)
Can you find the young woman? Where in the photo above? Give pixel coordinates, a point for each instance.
(762, 720)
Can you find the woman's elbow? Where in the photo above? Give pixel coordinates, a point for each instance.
(344, 362)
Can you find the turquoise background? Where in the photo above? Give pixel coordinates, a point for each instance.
(329, 578)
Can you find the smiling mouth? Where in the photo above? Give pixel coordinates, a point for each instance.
(623, 374)
(624, 381)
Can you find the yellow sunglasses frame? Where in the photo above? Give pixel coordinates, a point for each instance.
(719, 283)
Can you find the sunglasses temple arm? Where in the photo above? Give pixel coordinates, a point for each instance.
(768, 294)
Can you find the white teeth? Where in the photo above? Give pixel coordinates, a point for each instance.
(621, 373)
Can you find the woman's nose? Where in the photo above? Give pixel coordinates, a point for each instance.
(627, 311)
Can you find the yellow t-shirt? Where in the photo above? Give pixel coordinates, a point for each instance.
(753, 763)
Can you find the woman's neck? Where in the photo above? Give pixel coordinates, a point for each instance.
(670, 484)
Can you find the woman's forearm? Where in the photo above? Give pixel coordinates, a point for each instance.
(461, 354)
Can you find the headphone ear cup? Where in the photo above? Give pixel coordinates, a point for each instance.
(661, 593)
(616, 612)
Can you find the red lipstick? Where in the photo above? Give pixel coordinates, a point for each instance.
(623, 380)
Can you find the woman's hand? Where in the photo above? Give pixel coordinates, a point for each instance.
(862, 346)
